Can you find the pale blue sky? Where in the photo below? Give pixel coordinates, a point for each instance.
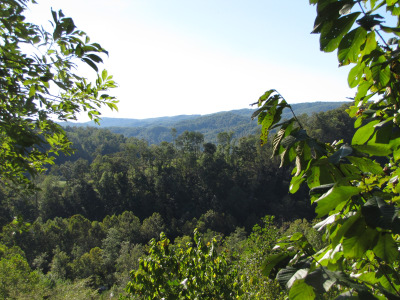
(174, 57)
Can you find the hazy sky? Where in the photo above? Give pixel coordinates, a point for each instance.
(172, 57)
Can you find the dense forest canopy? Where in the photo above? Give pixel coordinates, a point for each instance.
(104, 203)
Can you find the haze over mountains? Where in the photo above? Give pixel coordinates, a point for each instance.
(156, 130)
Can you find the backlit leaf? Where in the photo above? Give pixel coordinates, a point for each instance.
(334, 197)
(349, 47)
(364, 133)
(333, 32)
(301, 291)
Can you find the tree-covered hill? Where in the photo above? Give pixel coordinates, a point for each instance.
(157, 130)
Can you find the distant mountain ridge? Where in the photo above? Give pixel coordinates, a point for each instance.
(156, 130)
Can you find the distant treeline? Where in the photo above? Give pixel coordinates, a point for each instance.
(157, 130)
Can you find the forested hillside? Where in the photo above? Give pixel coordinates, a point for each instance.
(157, 130)
(105, 202)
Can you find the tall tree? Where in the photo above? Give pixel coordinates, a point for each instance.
(39, 84)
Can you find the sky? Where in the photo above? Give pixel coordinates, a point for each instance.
(173, 57)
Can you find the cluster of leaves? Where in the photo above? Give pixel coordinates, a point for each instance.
(38, 84)
(354, 186)
(189, 272)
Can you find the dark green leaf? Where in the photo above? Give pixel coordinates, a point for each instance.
(344, 151)
(90, 63)
(95, 58)
(369, 21)
(321, 189)
(386, 248)
(279, 260)
(320, 280)
(378, 213)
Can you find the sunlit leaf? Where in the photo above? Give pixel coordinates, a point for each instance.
(349, 47)
(301, 291)
(334, 197)
(364, 133)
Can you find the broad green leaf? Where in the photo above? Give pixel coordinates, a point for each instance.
(104, 75)
(358, 239)
(343, 226)
(386, 248)
(349, 47)
(344, 151)
(301, 291)
(321, 189)
(313, 178)
(284, 275)
(298, 275)
(288, 141)
(370, 44)
(95, 58)
(265, 96)
(362, 91)
(273, 260)
(296, 182)
(320, 280)
(374, 149)
(369, 21)
(394, 30)
(369, 277)
(276, 143)
(266, 119)
(364, 133)
(366, 165)
(355, 75)
(90, 63)
(378, 213)
(333, 32)
(32, 91)
(336, 195)
(383, 132)
(381, 74)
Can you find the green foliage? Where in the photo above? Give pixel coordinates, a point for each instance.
(249, 261)
(17, 280)
(196, 271)
(354, 186)
(38, 84)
